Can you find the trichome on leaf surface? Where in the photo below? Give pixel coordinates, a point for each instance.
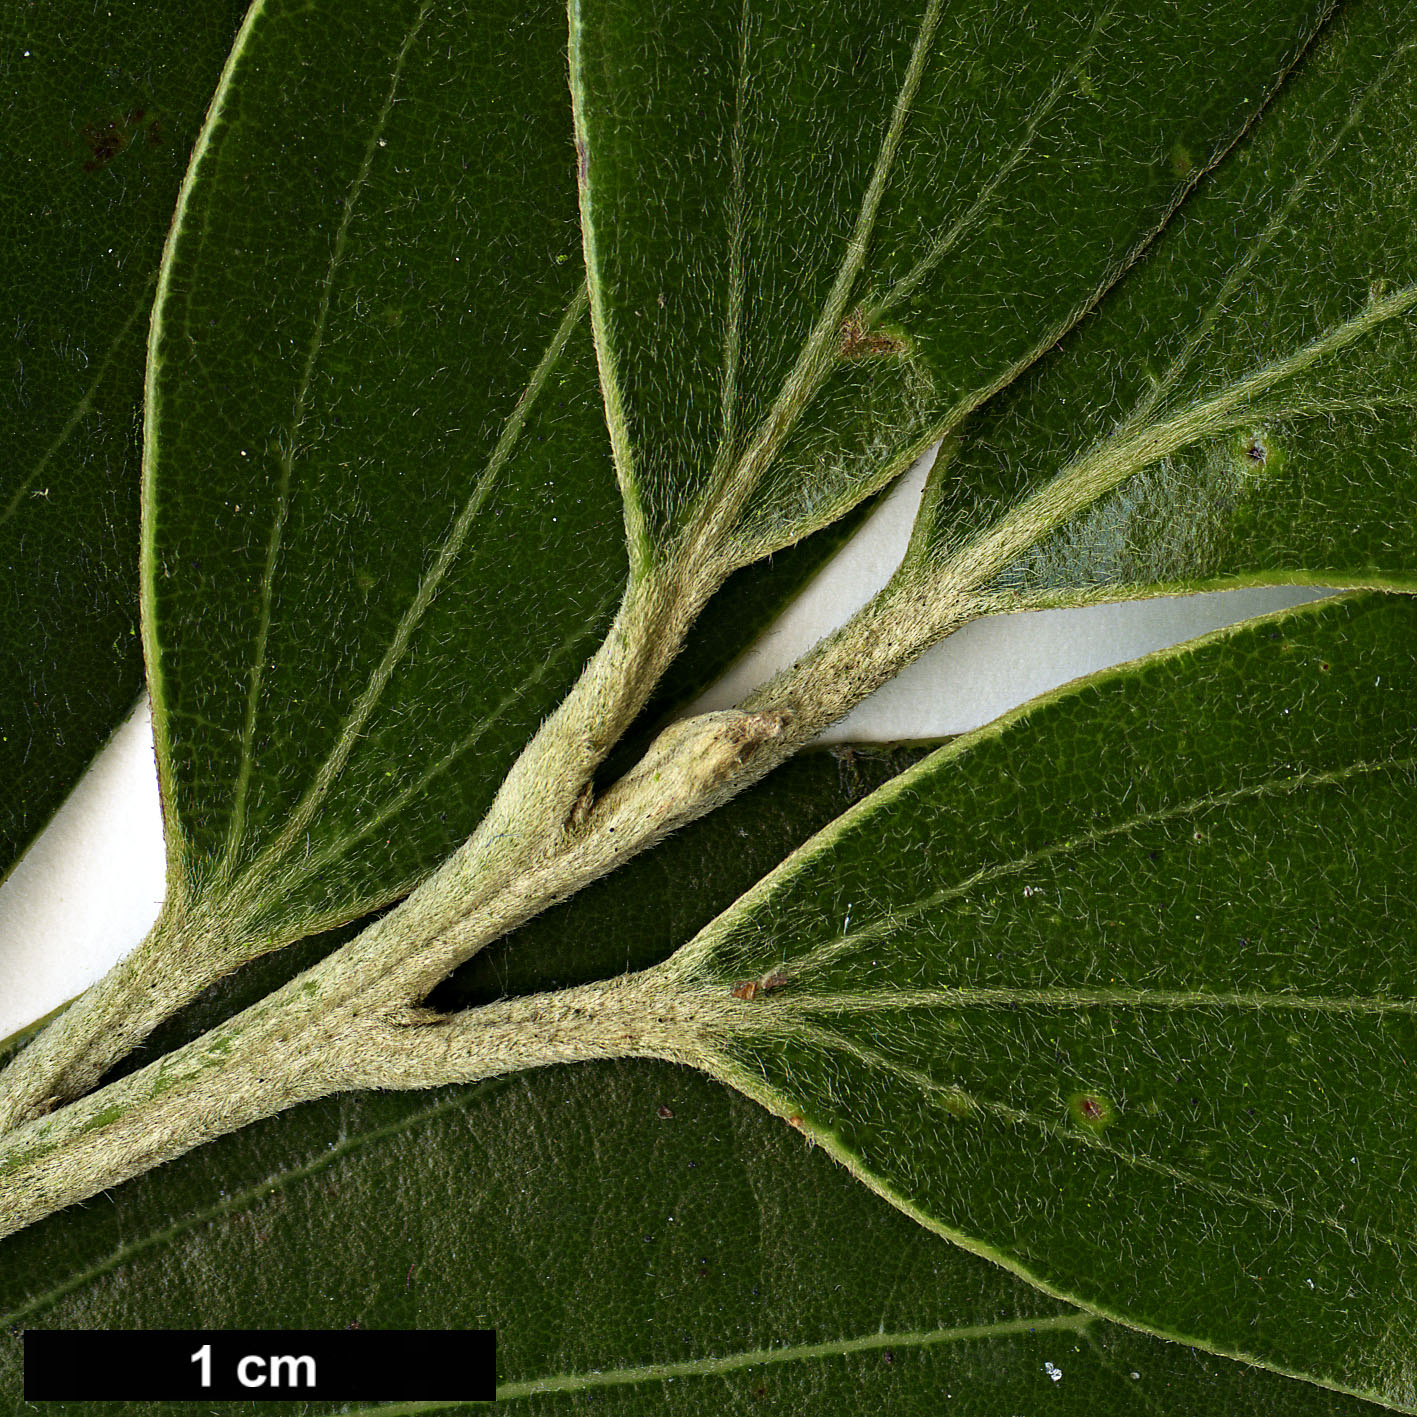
(502, 379)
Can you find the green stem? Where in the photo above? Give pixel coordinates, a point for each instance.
(182, 954)
(111, 1018)
(351, 1020)
(307, 1041)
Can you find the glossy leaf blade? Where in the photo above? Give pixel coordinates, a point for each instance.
(384, 534)
(817, 235)
(1241, 407)
(1120, 990)
(100, 110)
(704, 1262)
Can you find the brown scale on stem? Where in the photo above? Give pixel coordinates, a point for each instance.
(752, 988)
(857, 342)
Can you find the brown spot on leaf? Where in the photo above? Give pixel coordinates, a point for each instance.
(745, 989)
(664, 1113)
(857, 342)
(106, 140)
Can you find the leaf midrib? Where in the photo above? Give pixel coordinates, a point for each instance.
(1008, 997)
(700, 952)
(737, 233)
(338, 847)
(1072, 1136)
(732, 480)
(752, 1358)
(752, 1082)
(724, 498)
(1127, 450)
(968, 221)
(285, 460)
(292, 834)
(1276, 225)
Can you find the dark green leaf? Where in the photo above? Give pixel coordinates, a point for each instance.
(819, 235)
(1120, 989)
(384, 530)
(701, 1263)
(100, 107)
(1241, 407)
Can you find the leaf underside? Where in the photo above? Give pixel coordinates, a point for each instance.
(817, 236)
(1120, 991)
(99, 113)
(1242, 408)
(378, 449)
(1115, 991)
(632, 1262)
